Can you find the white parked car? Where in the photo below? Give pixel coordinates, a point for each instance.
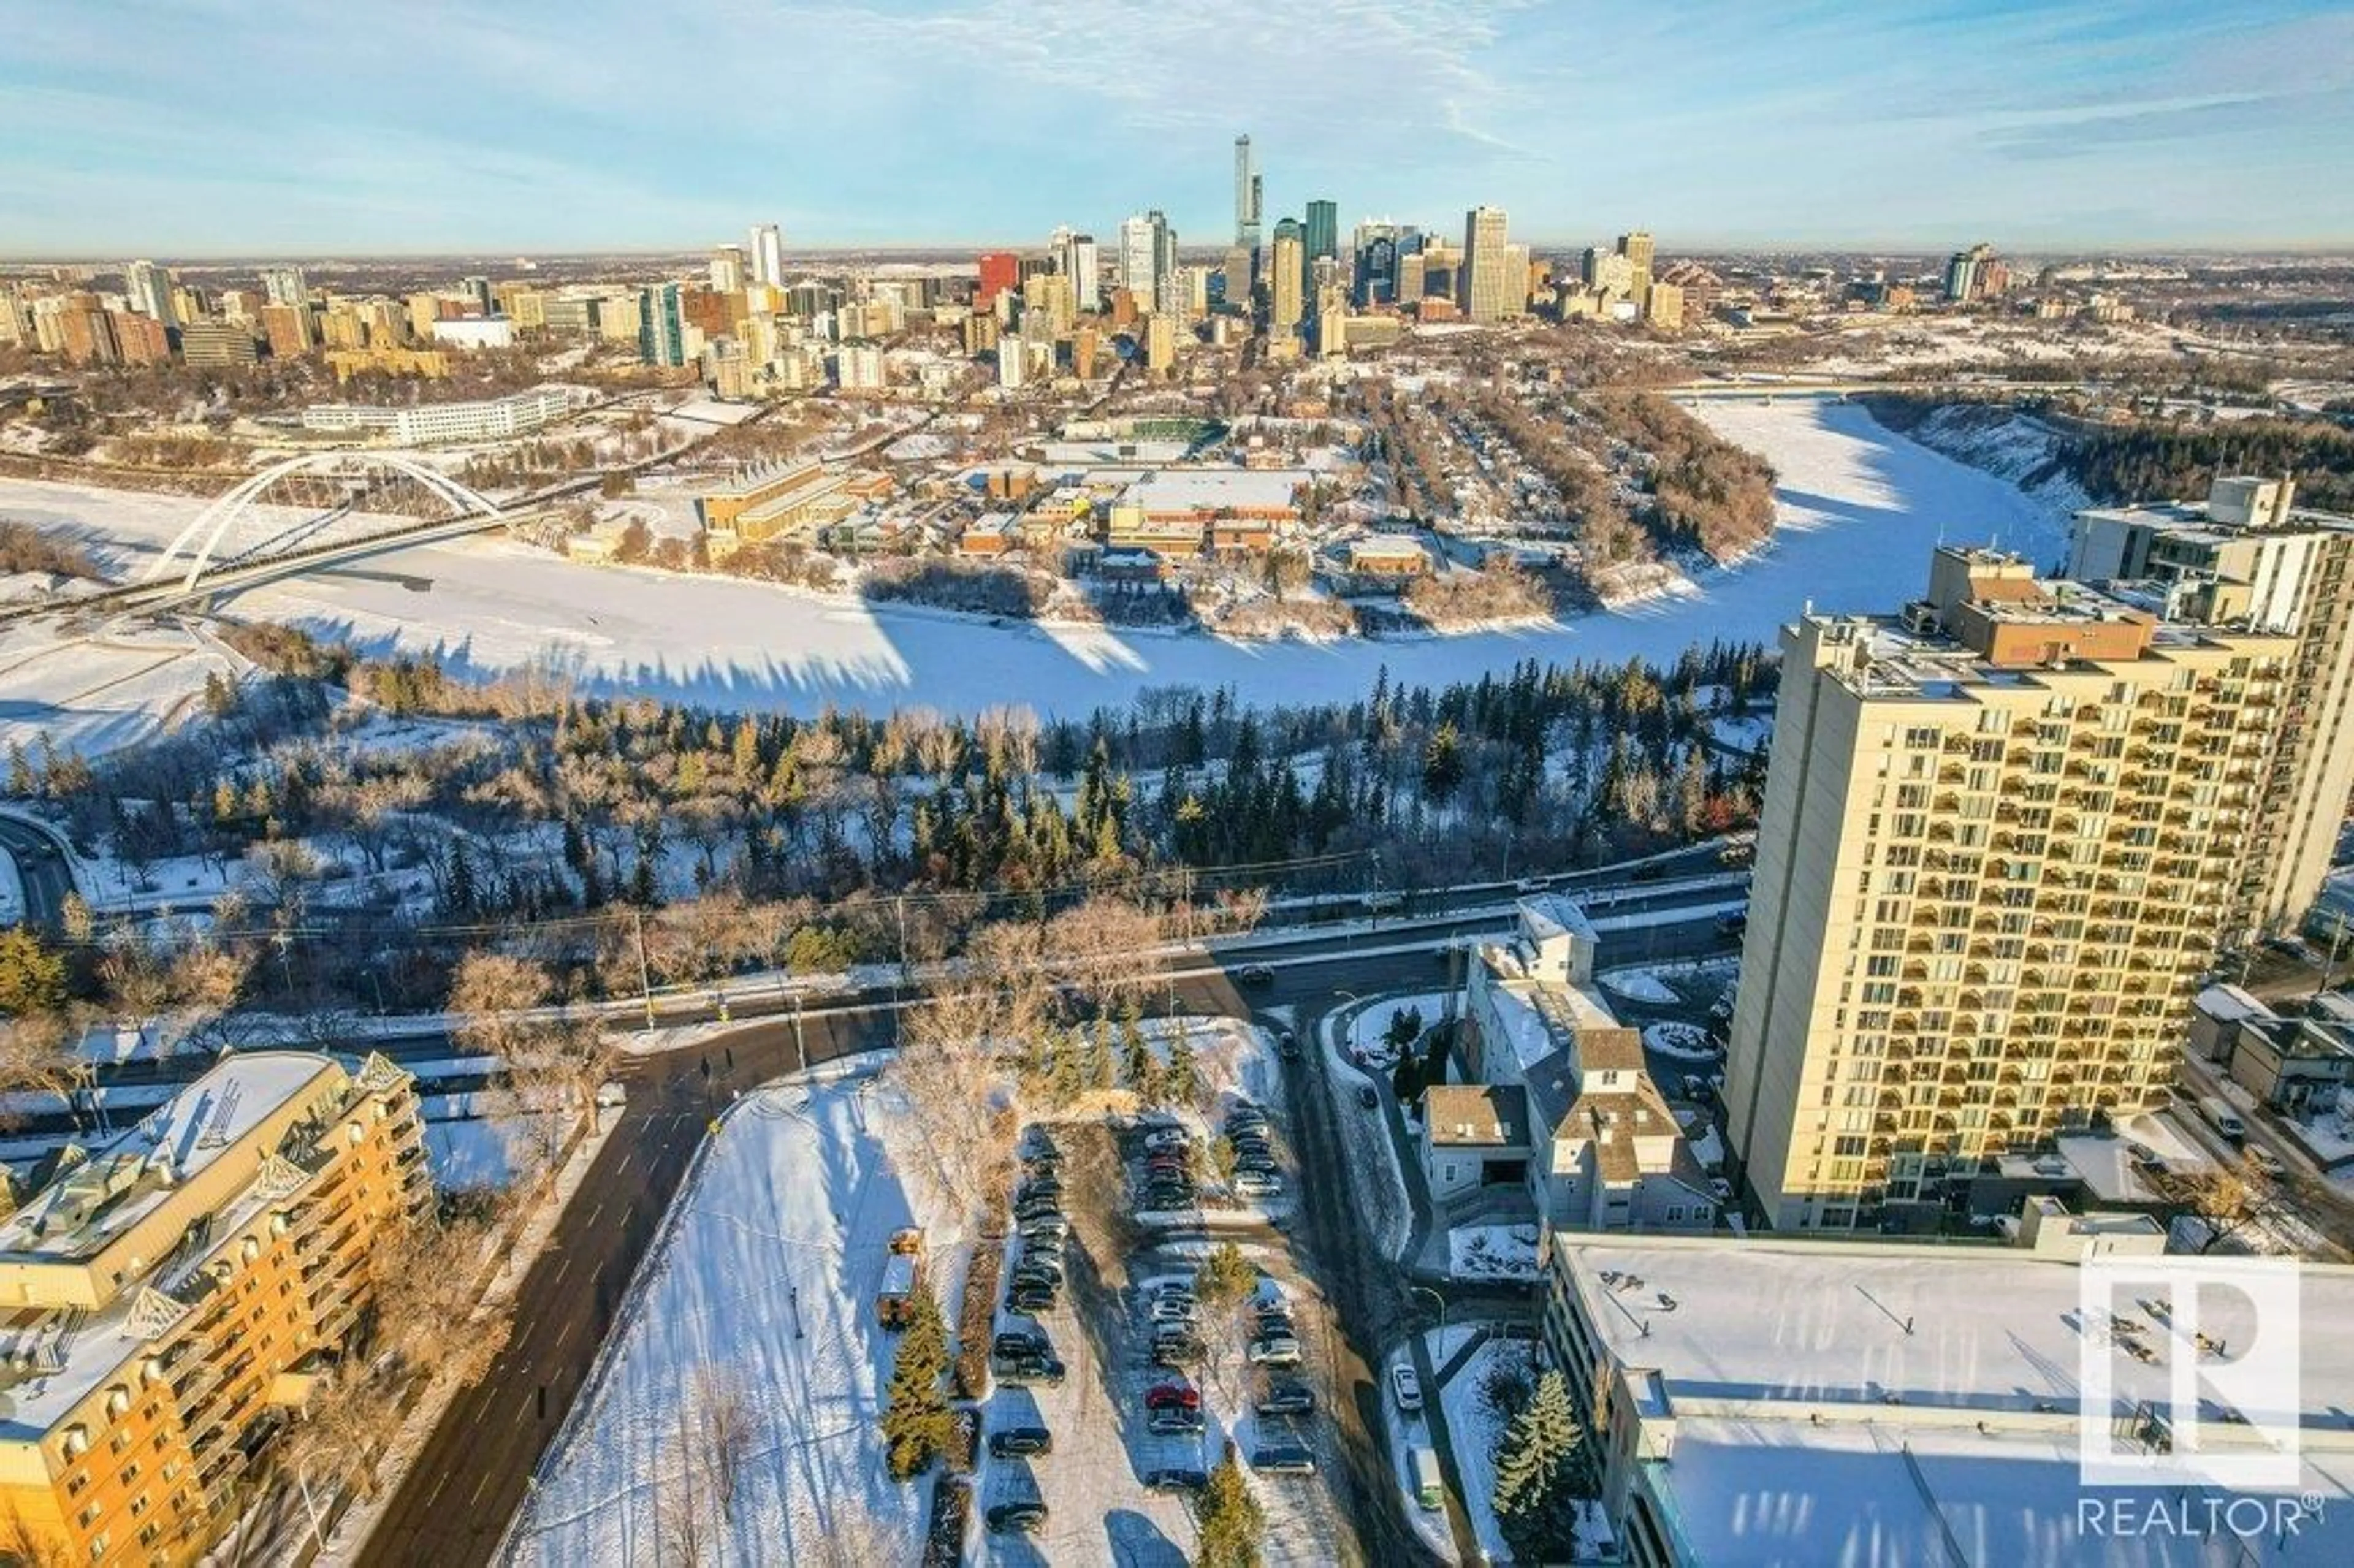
(1406, 1386)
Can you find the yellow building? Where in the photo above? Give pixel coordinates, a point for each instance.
(1997, 834)
(168, 1292)
(1159, 344)
(770, 503)
(429, 362)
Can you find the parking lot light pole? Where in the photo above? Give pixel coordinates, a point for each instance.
(1441, 1300)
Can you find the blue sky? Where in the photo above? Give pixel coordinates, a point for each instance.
(182, 128)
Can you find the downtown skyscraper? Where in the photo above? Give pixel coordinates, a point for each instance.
(1248, 207)
(767, 254)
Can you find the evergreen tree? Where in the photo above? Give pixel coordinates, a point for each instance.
(917, 1424)
(1406, 1078)
(1185, 1086)
(1225, 1277)
(1442, 764)
(1229, 1521)
(32, 978)
(1537, 1462)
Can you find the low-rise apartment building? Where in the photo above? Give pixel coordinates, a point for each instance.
(166, 1296)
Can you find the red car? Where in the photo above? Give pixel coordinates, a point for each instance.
(1173, 1396)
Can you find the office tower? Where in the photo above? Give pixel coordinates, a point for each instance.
(1636, 248)
(1075, 257)
(285, 286)
(150, 287)
(2247, 556)
(1516, 279)
(1374, 248)
(1997, 830)
(768, 255)
(1321, 232)
(179, 1282)
(1164, 246)
(1247, 195)
(728, 274)
(998, 271)
(1485, 286)
(1287, 278)
(1138, 252)
(662, 325)
(1236, 275)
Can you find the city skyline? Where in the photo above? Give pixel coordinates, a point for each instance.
(2056, 127)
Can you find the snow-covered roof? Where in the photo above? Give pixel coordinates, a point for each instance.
(1988, 1331)
(2229, 1003)
(1547, 915)
(1209, 488)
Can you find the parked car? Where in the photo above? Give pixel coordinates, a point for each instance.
(1020, 1371)
(1286, 1045)
(1016, 1343)
(1175, 1313)
(1175, 1420)
(1185, 1351)
(1287, 1396)
(1275, 1351)
(1173, 1397)
(1032, 1300)
(1039, 1272)
(1259, 1184)
(1283, 1460)
(1732, 925)
(1026, 1518)
(1017, 1442)
(1406, 1387)
(1171, 1290)
(1168, 1137)
(1245, 1114)
(1030, 1211)
(1040, 1187)
(2267, 1161)
(1052, 1229)
(1043, 1248)
(1255, 975)
(1367, 1097)
(1176, 1479)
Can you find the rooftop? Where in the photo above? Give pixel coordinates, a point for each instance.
(93, 1201)
(1213, 489)
(1476, 1116)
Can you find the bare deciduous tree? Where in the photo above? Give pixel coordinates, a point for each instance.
(721, 1425)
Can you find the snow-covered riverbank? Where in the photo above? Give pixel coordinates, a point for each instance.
(1860, 509)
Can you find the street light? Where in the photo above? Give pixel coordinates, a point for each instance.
(1434, 1295)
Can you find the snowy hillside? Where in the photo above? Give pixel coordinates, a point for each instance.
(2004, 441)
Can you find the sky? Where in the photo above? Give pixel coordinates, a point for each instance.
(180, 129)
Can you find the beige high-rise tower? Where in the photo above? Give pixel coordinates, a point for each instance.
(2248, 557)
(1997, 830)
(1490, 291)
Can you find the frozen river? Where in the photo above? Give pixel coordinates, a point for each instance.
(1860, 508)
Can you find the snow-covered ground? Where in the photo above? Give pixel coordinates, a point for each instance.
(1685, 1041)
(1376, 1183)
(1475, 1423)
(477, 1153)
(766, 1275)
(1492, 1252)
(1860, 508)
(1369, 1029)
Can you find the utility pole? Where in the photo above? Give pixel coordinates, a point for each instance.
(906, 968)
(801, 1046)
(645, 969)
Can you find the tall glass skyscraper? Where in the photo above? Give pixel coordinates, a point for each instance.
(1247, 195)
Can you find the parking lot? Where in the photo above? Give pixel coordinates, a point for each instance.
(1101, 1344)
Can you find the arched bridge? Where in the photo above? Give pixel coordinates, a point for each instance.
(319, 503)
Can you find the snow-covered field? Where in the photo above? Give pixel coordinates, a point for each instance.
(1492, 1252)
(1860, 508)
(767, 1276)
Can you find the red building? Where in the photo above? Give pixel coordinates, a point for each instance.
(1000, 271)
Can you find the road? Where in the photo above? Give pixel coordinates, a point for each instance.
(41, 867)
(455, 1503)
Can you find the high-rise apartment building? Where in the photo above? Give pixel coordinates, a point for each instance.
(1247, 195)
(1287, 279)
(662, 325)
(1075, 256)
(1996, 833)
(288, 328)
(1975, 275)
(997, 272)
(2248, 557)
(1487, 285)
(728, 274)
(171, 1292)
(285, 286)
(767, 254)
(150, 288)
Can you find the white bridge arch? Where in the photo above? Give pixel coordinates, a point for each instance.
(252, 525)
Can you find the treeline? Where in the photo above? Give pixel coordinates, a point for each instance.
(1706, 492)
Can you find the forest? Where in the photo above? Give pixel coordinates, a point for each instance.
(370, 863)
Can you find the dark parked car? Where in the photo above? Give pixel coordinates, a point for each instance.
(1283, 1460)
(1287, 1398)
(1018, 1344)
(1255, 975)
(1173, 1397)
(1021, 1370)
(1031, 1298)
(1176, 1480)
(1287, 1043)
(1367, 1099)
(1017, 1441)
(1018, 1517)
(1732, 925)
